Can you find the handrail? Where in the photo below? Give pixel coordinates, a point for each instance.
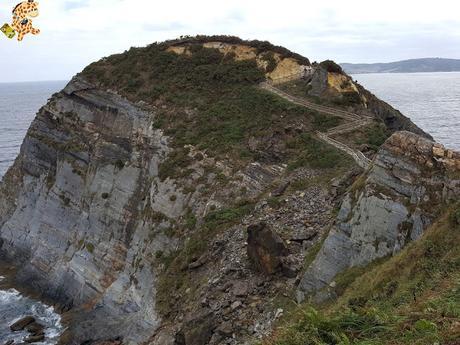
(357, 121)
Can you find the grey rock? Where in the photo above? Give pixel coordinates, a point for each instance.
(73, 206)
(398, 201)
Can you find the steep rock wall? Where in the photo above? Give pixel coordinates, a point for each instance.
(410, 181)
(74, 211)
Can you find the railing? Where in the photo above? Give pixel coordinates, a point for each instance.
(358, 156)
(357, 121)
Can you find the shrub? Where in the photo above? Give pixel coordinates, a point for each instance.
(323, 122)
(314, 154)
(376, 135)
(331, 66)
(348, 99)
(271, 62)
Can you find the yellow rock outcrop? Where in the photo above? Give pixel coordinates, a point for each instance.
(341, 83)
(286, 67)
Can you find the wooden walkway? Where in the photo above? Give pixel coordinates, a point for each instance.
(355, 121)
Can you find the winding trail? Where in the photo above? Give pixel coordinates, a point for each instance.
(355, 121)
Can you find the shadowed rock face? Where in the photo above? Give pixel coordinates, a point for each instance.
(395, 201)
(71, 211)
(265, 248)
(88, 222)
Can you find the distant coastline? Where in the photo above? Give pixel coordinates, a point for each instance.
(405, 66)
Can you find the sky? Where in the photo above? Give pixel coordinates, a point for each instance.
(76, 32)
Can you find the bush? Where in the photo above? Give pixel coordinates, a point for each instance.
(271, 62)
(314, 154)
(376, 136)
(331, 66)
(323, 122)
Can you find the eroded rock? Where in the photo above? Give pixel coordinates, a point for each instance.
(390, 205)
(22, 323)
(265, 248)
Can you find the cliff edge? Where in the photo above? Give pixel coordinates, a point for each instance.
(130, 201)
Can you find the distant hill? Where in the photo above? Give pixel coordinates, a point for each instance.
(406, 66)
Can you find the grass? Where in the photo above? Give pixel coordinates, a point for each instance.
(411, 298)
(375, 136)
(309, 151)
(324, 122)
(205, 99)
(176, 278)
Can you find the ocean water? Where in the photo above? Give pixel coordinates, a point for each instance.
(431, 100)
(14, 306)
(19, 103)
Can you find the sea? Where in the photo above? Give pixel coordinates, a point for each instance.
(18, 104)
(431, 100)
(14, 306)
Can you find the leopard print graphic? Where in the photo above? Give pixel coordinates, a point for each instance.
(22, 18)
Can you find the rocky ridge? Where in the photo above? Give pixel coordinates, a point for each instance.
(142, 240)
(409, 184)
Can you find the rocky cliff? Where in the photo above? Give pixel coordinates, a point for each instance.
(130, 200)
(408, 186)
(72, 210)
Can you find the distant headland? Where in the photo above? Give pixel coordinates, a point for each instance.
(405, 66)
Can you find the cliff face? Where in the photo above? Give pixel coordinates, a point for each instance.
(408, 186)
(337, 86)
(130, 208)
(72, 205)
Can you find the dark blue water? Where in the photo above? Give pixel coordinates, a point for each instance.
(19, 102)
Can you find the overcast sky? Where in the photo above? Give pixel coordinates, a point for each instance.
(77, 32)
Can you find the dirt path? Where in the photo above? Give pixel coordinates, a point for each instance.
(355, 121)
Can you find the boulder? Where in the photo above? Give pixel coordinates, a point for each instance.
(35, 328)
(35, 338)
(197, 331)
(281, 189)
(22, 323)
(265, 248)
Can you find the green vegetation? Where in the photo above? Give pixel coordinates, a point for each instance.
(348, 99)
(298, 88)
(411, 298)
(313, 252)
(211, 101)
(271, 62)
(331, 66)
(322, 122)
(90, 247)
(375, 136)
(176, 160)
(308, 151)
(176, 277)
(261, 46)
